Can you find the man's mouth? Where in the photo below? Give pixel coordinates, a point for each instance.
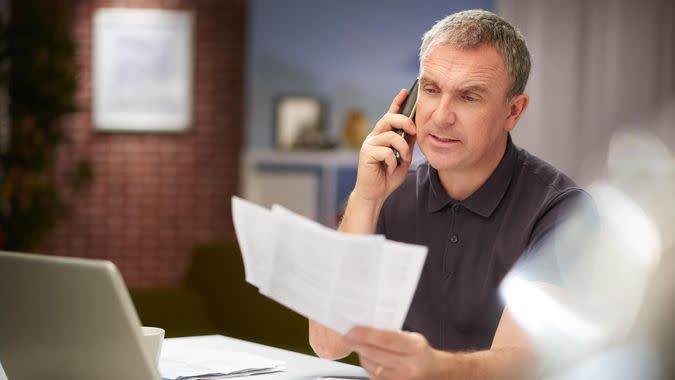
(445, 140)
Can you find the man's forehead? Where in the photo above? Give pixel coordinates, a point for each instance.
(481, 65)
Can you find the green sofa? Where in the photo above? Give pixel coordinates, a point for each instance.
(216, 299)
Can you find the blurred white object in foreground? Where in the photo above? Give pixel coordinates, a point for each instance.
(586, 295)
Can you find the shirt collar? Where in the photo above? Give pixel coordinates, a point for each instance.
(484, 200)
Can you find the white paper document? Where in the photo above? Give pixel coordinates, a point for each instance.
(338, 279)
(208, 357)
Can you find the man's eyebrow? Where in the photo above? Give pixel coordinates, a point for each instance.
(476, 87)
(425, 80)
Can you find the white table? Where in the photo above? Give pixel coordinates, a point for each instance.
(298, 366)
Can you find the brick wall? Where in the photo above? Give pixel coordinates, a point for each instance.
(157, 196)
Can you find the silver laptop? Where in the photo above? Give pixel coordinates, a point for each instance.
(67, 318)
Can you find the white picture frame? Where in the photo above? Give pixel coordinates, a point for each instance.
(296, 116)
(142, 70)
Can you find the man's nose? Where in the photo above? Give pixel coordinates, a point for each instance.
(444, 114)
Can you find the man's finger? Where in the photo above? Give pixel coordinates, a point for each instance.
(394, 341)
(392, 139)
(398, 101)
(367, 364)
(379, 356)
(383, 154)
(378, 371)
(392, 121)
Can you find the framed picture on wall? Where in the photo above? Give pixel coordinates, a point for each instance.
(298, 122)
(142, 70)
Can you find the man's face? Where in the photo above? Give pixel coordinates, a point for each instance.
(462, 111)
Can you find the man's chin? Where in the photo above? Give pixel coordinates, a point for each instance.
(441, 159)
(444, 164)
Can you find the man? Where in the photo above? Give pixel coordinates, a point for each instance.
(478, 203)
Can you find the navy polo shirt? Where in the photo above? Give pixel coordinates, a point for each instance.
(472, 244)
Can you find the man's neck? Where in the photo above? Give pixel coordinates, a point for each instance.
(460, 184)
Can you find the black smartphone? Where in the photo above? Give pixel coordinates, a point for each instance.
(407, 109)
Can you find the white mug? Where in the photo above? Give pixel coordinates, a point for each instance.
(152, 342)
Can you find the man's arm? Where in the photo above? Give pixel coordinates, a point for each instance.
(378, 175)
(511, 356)
(404, 355)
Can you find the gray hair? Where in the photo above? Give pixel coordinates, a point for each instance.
(471, 28)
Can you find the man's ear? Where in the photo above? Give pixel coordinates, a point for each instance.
(517, 106)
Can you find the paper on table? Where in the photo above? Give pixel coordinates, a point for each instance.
(340, 280)
(208, 357)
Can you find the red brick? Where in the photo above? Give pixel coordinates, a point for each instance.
(155, 197)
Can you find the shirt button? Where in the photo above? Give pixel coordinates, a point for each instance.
(454, 239)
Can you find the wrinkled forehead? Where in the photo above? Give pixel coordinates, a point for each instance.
(444, 63)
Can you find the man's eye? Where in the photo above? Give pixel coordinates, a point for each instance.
(470, 98)
(430, 90)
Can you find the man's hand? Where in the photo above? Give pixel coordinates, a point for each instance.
(406, 355)
(328, 344)
(378, 174)
(393, 355)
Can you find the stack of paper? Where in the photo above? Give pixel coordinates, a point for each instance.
(208, 357)
(340, 280)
